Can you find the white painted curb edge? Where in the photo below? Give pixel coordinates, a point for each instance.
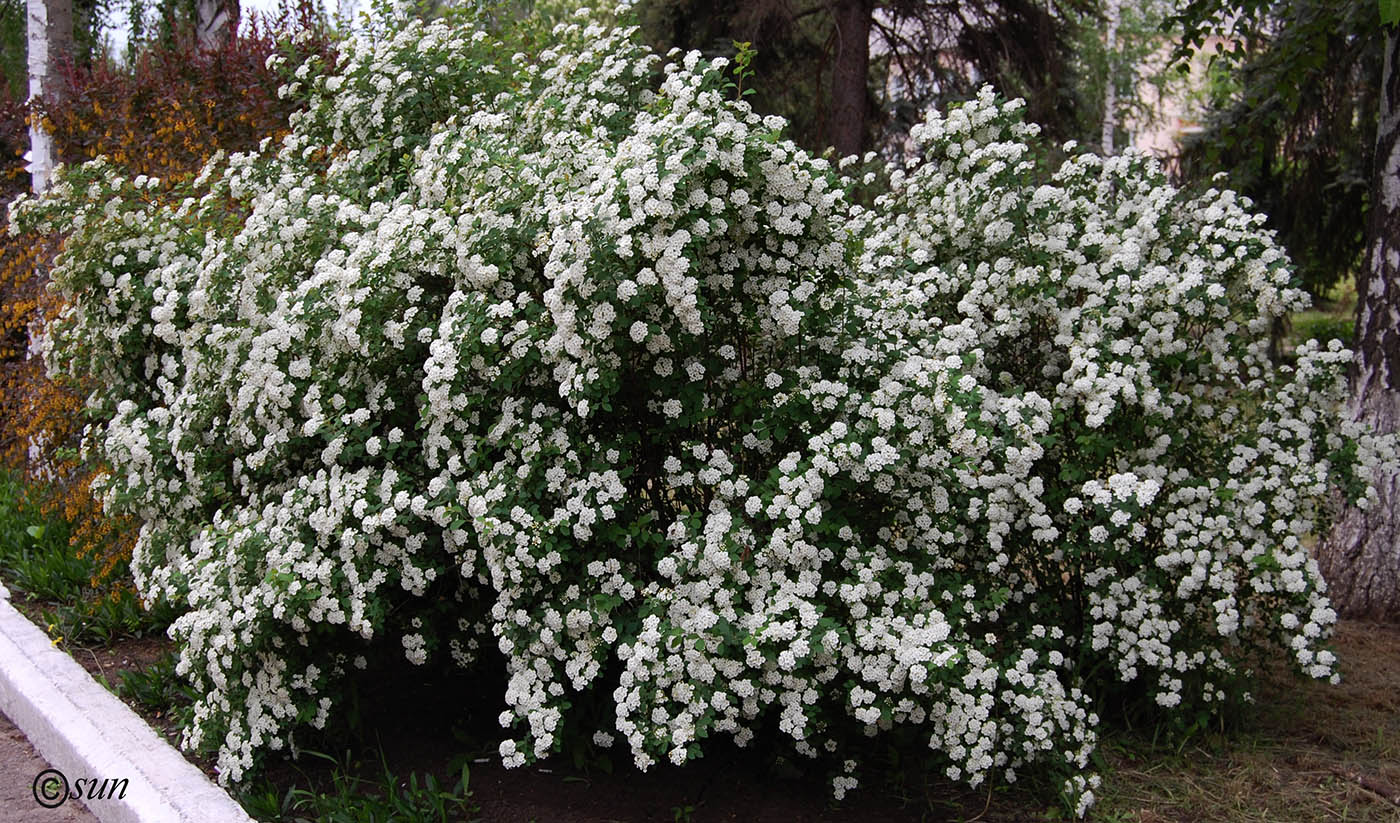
(84, 731)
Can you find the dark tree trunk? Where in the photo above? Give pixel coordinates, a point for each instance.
(850, 70)
(1361, 557)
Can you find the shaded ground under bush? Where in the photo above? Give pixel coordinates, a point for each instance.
(1305, 752)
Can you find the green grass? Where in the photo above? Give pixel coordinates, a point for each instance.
(351, 794)
(1332, 317)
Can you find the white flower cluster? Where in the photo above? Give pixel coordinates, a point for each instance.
(613, 376)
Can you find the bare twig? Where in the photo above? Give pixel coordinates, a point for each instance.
(102, 670)
(1371, 784)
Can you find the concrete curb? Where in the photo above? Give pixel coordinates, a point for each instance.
(84, 731)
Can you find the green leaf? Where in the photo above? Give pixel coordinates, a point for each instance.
(1390, 12)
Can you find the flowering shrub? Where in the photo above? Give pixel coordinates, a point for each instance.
(614, 378)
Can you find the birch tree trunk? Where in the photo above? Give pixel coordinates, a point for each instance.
(49, 38)
(1110, 93)
(851, 68)
(215, 22)
(1361, 557)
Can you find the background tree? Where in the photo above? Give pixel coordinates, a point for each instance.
(215, 22)
(49, 41)
(71, 32)
(857, 74)
(210, 23)
(850, 75)
(1361, 557)
(1113, 12)
(89, 18)
(1319, 113)
(1293, 105)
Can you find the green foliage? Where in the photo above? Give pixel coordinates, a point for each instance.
(156, 687)
(33, 556)
(46, 571)
(743, 59)
(1324, 328)
(1390, 12)
(38, 561)
(352, 797)
(102, 620)
(12, 50)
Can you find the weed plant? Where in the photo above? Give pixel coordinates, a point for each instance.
(351, 794)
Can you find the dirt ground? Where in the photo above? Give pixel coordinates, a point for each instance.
(1306, 752)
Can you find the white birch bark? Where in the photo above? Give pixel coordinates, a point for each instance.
(49, 38)
(40, 142)
(215, 21)
(1110, 94)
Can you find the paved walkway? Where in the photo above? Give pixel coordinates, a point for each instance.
(19, 765)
